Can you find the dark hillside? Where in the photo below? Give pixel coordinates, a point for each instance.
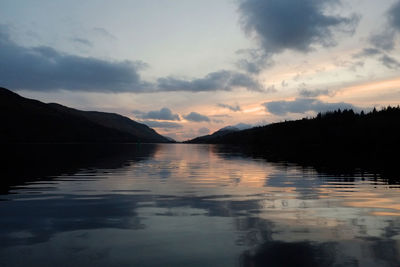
(27, 120)
(333, 137)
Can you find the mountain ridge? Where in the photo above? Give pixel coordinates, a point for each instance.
(219, 133)
(329, 138)
(30, 120)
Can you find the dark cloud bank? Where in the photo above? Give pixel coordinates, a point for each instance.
(385, 39)
(220, 80)
(297, 25)
(394, 16)
(383, 43)
(197, 117)
(303, 105)
(314, 93)
(43, 68)
(162, 114)
(233, 108)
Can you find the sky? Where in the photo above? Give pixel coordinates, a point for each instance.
(188, 68)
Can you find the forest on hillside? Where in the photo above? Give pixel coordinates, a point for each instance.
(334, 137)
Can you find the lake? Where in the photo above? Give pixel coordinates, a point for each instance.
(189, 205)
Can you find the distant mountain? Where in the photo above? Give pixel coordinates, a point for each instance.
(243, 126)
(219, 134)
(27, 120)
(332, 137)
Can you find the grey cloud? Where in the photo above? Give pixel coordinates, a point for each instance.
(351, 64)
(196, 117)
(366, 52)
(394, 16)
(384, 58)
(390, 62)
(253, 60)
(103, 32)
(383, 40)
(44, 68)
(162, 114)
(303, 105)
(138, 112)
(222, 116)
(251, 66)
(161, 124)
(82, 41)
(294, 25)
(232, 108)
(221, 80)
(203, 131)
(271, 89)
(355, 65)
(314, 93)
(218, 121)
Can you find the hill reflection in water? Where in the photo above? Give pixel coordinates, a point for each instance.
(190, 205)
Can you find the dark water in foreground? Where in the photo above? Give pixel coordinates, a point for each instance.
(191, 205)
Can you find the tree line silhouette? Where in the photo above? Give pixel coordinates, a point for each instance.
(340, 136)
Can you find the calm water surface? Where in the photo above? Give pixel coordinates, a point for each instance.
(192, 205)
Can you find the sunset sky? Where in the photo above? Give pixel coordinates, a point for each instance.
(190, 67)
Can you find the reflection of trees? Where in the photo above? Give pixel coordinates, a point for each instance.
(335, 140)
(264, 241)
(261, 228)
(336, 172)
(281, 254)
(31, 162)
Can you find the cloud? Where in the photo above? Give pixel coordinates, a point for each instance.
(196, 117)
(385, 39)
(271, 89)
(298, 25)
(303, 105)
(222, 116)
(162, 114)
(232, 108)
(103, 32)
(314, 93)
(43, 68)
(221, 80)
(253, 60)
(367, 52)
(389, 62)
(384, 58)
(394, 16)
(82, 41)
(203, 131)
(161, 124)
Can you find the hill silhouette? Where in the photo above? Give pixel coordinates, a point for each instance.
(221, 132)
(26, 120)
(329, 138)
(218, 134)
